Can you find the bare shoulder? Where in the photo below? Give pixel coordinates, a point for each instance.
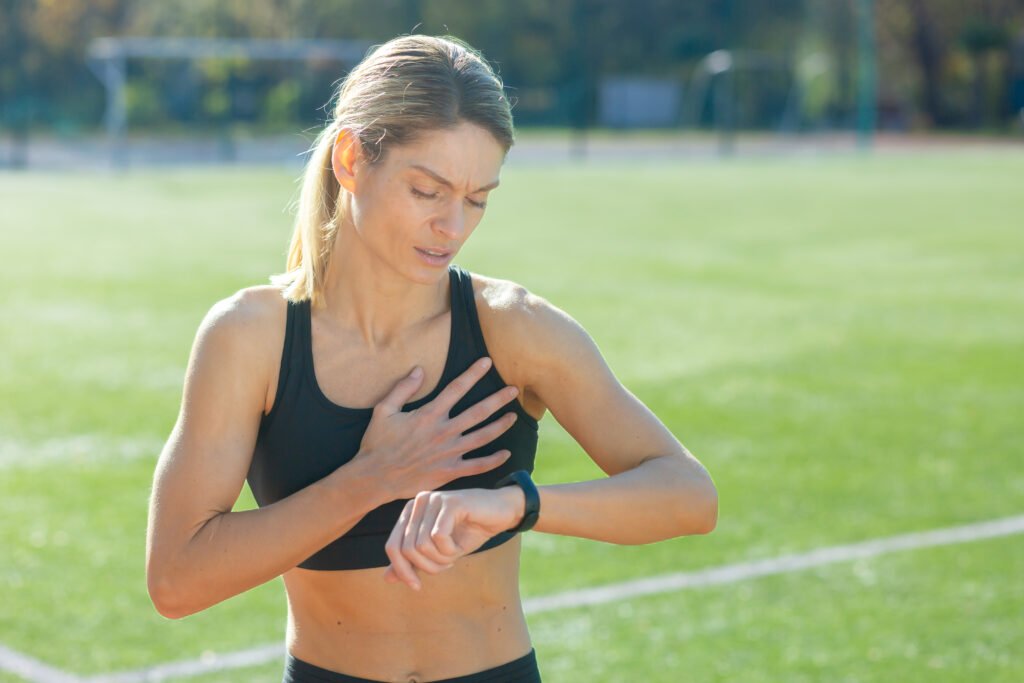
(525, 334)
(510, 304)
(247, 317)
(503, 298)
(511, 310)
(255, 305)
(248, 327)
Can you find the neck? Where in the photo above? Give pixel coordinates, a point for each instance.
(365, 294)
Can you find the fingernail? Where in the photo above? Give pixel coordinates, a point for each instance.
(485, 362)
(416, 586)
(416, 372)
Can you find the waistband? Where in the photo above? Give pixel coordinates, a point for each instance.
(522, 670)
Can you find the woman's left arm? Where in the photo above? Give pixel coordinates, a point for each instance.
(655, 490)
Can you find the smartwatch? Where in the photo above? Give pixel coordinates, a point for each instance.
(531, 512)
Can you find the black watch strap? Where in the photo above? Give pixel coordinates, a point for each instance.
(531, 513)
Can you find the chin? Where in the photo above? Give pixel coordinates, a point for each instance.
(429, 273)
(426, 275)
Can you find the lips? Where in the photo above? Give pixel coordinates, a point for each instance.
(434, 256)
(440, 253)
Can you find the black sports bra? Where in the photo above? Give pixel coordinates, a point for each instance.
(306, 436)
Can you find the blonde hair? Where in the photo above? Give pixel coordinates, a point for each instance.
(402, 89)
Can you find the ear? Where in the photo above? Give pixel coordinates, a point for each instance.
(347, 152)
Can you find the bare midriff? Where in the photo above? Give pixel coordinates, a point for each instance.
(463, 620)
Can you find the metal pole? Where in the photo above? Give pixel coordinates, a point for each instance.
(725, 111)
(867, 74)
(582, 76)
(115, 117)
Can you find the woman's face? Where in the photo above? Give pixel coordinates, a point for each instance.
(415, 209)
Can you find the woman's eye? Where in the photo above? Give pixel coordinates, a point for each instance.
(424, 195)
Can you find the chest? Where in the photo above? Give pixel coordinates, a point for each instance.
(353, 374)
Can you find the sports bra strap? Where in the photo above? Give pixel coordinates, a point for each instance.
(291, 355)
(469, 316)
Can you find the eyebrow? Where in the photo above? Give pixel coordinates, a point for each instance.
(444, 181)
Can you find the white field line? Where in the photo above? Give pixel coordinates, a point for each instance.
(78, 449)
(32, 669)
(37, 672)
(783, 564)
(197, 667)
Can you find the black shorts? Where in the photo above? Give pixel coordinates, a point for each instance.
(522, 670)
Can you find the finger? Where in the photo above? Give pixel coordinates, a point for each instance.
(460, 386)
(427, 538)
(468, 468)
(442, 532)
(485, 435)
(393, 547)
(390, 576)
(402, 392)
(479, 412)
(410, 538)
(400, 568)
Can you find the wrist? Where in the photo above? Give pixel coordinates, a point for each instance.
(515, 499)
(355, 484)
(531, 498)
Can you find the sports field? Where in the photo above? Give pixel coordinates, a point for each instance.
(840, 341)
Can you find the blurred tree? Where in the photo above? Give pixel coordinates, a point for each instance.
(43, 74)
(933, 35)
(17, 62)
(945, 58)
(980, 37)
(930, 48)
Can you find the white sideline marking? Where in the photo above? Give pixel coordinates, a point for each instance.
(206, 664)
(76, 449)
(742, 571)
(36, 672)
(32, 669)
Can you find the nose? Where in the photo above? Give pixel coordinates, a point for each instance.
(452, 223)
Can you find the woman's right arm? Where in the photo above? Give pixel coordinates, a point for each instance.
(199, 552)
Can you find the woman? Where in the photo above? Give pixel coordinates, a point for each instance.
(383, 404)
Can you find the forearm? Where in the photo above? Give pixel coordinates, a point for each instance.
(235, 551)
(663, 498)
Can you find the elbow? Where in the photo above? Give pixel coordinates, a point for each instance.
(695, 501)
(702, 516)
(710, 517)
(167, 596)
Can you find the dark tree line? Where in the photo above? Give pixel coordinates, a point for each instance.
(943, 63)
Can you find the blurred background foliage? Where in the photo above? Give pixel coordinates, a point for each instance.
(941, 63)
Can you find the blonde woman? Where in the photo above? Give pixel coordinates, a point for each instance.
(383, 402)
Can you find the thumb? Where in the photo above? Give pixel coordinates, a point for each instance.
(402, 392)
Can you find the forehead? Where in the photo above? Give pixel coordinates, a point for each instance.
(466, 155)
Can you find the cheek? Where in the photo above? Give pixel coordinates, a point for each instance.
(392, 221)
(416, 212)
(371, 211)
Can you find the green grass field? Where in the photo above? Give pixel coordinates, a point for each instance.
(839, 341)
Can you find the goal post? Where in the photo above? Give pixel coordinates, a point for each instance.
(108, 59)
